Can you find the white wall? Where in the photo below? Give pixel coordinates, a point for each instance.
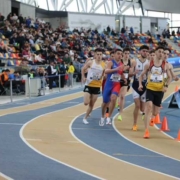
(133, 22)
(27, 10)
(5, 7)
(78, 20)
(146, 25)
(162, 24)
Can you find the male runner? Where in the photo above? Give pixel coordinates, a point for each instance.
(93, 82)
(151, 55)
(124, 86)
(112, 86)
(167, 52)
(104, 80)
(139, 96)
(155, 85)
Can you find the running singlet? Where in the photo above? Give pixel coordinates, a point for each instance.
(116, 76)
(95, 74)
(156, 77)
(126, 73)
(140, 68)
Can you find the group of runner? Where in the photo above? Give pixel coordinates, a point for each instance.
(150, 73)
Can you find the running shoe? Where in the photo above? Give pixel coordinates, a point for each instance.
(146, 134)
(108, 120)
(101, 122)
(119, 117)
(135, 128)
(85, 121)
(143, 115)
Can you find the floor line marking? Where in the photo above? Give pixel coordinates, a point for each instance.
(136, 155)
(1, 115)
(93, 129)
(53, 159)
(70, 129)
(6, 177)
(15, 124)
(113, 124)
(41, 101)
(33, 139)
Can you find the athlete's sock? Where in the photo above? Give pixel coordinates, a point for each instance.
(107, 110)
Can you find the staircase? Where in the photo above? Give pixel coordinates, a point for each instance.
(175, 46)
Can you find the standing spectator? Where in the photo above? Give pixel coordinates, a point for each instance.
(51, 72)
(70, 74)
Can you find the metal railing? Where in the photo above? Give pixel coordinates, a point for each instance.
(37, 86)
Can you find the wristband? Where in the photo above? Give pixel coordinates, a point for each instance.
(166, 85)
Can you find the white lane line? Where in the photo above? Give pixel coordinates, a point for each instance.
(93, 129)
(40, 101)
(33, 139)
(6, 177)
(30, 146)
(139, 144)
(14, 124)
(71, 102)
(70, 129)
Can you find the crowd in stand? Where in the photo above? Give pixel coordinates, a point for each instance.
(34, 42)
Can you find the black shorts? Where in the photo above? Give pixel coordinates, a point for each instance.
(122, 83)
(92, 90)
(154, 96)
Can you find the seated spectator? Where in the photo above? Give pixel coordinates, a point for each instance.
(4, 81)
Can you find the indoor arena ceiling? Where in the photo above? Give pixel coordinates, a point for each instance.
(106, 6)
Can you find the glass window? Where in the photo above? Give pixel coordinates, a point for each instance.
(175, 17)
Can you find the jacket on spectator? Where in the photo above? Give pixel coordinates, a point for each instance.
(3, 78)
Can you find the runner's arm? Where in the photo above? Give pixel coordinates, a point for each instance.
(132, 69)
(84, 68)
(169, 77)
(145, 71)
(174, 77)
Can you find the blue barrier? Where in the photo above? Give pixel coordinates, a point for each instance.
(174, 61)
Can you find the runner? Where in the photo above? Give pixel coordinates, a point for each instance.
(104, 80)
(151, 55)
(93, 82)
(155, 86)
(112, 86)
(167, 52)
(139, 96)
(124, 87)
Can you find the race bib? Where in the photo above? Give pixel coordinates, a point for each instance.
(156, 78)
(95, 76)
(115, 77)
(165, 75)
(138, 74)
(125, 75)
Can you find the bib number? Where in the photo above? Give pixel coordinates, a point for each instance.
(115, 77)
(95, 77)
(125, 75)
(165, 75)
(156, 78)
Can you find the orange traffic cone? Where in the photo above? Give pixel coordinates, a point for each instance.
(164, 126)
(151, 123)
(178, 136)
(157, 119)
(176, 89)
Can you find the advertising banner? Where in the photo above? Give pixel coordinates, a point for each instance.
(174, 61)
